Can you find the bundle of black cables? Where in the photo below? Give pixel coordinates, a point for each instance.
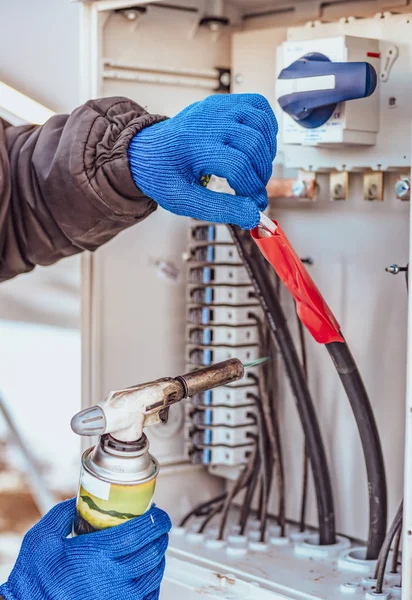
(276, 321)
(354, 387)
(257, 469)
(267, 400)
(353, 384)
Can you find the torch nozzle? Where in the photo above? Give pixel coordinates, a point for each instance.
(211, 377)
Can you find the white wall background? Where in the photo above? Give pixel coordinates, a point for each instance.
(40, 311)
(39, 50)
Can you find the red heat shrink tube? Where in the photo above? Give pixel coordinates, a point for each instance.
(311, 307)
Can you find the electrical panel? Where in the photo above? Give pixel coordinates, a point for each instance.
(147, 321)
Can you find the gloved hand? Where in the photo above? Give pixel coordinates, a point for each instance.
(125, 562)
(230, 136)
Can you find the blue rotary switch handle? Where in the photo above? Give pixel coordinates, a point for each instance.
(319, 85)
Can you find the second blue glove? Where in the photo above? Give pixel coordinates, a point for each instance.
(230, 136)
(126, 561)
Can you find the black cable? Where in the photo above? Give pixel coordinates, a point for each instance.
(303, 352)
(264, 469)
(226, 507)
(268, 299)
(247, 500)
(268, 390)
(280, 481)
(372, 450)
(271, 433)
(272, 430)
(210, 516)
(280, 473)
(304, 498)
(268, 415)
(273, 394)
(305, 478)
(394, 568)
(386, 547)
(227, 498)
(198, 509)
(242, 480)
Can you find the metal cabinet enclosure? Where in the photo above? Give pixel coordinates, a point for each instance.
(133, 318)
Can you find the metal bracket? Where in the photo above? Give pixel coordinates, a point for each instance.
(305, 187)
(339, 185)
(373, 186)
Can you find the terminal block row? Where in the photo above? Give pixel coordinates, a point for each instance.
(222, 322)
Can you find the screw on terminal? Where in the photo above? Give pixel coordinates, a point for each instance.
(403, 189)
(395, 269)
(299, 188)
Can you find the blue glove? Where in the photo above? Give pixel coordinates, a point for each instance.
(230, 136)
(126, 561)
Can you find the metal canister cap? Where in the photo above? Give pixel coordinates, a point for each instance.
(123, 468)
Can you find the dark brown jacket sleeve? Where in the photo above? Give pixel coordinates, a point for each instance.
(66, 186)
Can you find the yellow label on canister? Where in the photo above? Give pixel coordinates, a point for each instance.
(114, 503)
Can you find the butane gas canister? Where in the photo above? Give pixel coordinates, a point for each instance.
(117, 483)
(118, 475)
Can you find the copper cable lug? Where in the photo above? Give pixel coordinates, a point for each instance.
(302, 188)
